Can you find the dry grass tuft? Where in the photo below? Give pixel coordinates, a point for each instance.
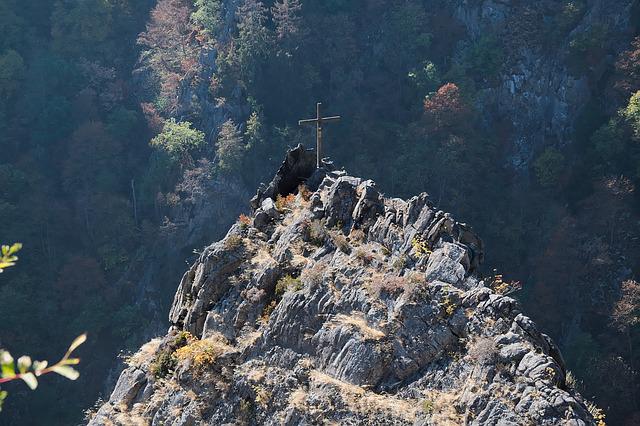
(442, 408)
(358, 235)
(145, 354)
(369, 403)
(483, 350)
(233, 242)
(359, 322)
(388, 285)
(341, 242)
(314, 232)
(364, 256)
(314, 276)
(298, 398)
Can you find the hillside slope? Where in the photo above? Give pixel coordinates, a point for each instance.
(340, 305)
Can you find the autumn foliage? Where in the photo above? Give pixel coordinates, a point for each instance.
(446, 109)
(628, 68)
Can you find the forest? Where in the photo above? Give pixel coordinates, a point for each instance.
(132, 133)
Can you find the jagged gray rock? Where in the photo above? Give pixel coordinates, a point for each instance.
(343, 306)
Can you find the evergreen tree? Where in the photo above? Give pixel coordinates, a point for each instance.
(207, 15)
(254, 38)
(287, 19)
(230, 148)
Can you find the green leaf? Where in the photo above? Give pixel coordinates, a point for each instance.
(66, 371)
(71, 361)
(6, 361)
(24, 362)
(15, 248)
(3, 396)
(30, 380)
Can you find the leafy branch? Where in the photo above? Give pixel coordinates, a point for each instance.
(28, 371)
(9, 257)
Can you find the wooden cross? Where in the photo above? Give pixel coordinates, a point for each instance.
(318, 121)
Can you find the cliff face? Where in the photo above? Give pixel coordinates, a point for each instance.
(337, 304)
(536, 88)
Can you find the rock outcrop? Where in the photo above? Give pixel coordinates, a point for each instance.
(336, 305)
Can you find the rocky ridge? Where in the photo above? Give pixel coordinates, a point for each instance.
(334, 304)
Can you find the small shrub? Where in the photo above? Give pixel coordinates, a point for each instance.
(285, 203)
(163, 364)
(568, 17)
(400, 263)
(178, 139)
(341, 242)
(267, 311)
(246, 410)
(448, 305)
(427, 406)
(233, 242)
(317, 233)
(202, 353)
(288, 283)
(570, 380)
(500, 286)
(588, 48)
(304, 192)
(182, 338)
(420, 246)
(388, 285)
(314, 275)
(632, 113)
(8, 256)
(244, 221)
(416, 277)
(597, 413)
(483, 351)
(364, 256)
(263, 395)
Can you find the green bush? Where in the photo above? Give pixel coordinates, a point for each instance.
(549, 167)
(288, 283)
(163, 364)
(207, 15)
(178, 139)
(632, 113)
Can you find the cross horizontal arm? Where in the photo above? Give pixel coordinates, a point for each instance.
(334, 118)
(309, 121)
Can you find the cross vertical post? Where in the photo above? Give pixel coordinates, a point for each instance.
(318, 135)
(318, 121)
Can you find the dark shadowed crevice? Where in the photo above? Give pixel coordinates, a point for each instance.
(298, 166)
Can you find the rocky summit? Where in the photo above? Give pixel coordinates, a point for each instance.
(333, 304)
